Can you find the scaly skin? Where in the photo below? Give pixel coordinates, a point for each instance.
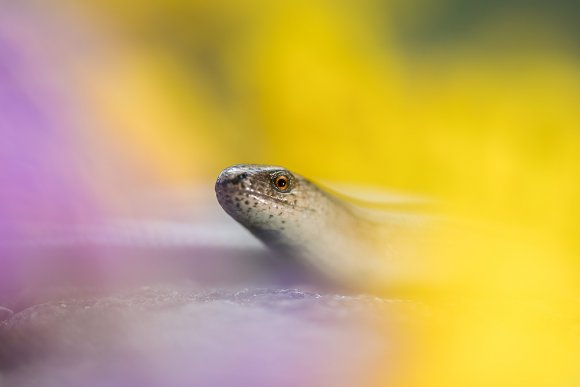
(330, 234)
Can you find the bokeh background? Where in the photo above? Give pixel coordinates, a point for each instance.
(475, 103)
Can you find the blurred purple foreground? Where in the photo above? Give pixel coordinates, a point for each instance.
(177, 336)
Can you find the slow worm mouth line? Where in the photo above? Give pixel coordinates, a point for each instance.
(261, 196)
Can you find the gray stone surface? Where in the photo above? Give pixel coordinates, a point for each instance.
(180, 335)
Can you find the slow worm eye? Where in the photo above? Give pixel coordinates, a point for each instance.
(282, 183)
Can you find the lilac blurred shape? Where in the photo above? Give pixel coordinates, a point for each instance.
(40, 183)
(182, 336)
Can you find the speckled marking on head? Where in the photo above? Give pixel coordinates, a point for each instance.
(331, 234)
(270, 201)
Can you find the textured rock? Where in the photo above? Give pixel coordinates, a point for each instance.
(5, 313)
(182, 336)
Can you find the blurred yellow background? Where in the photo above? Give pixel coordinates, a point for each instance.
(473, 102)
